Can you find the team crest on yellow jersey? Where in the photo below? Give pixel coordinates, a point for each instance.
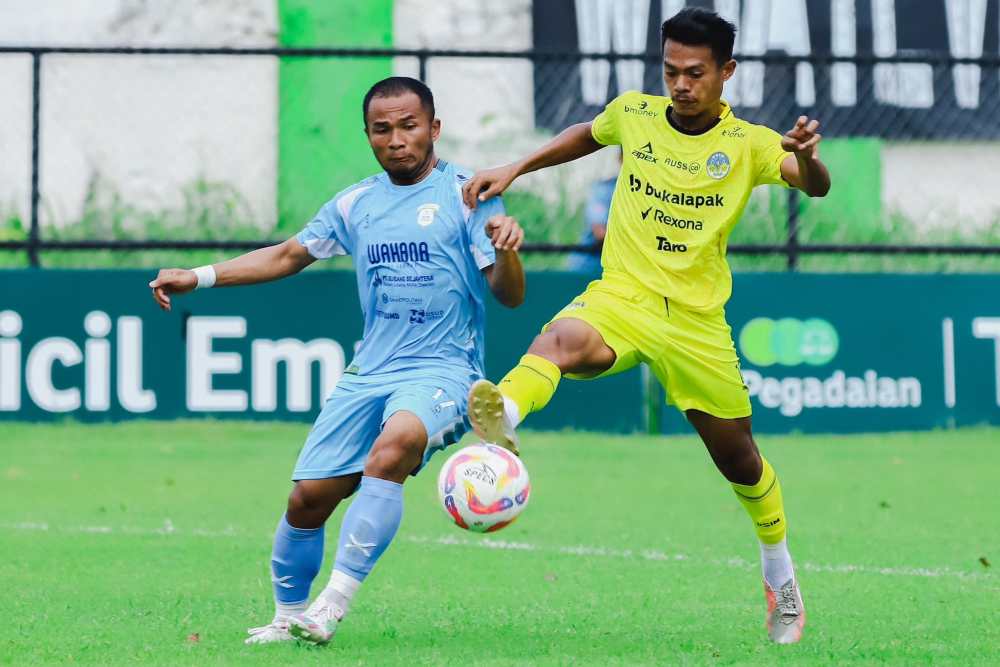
(718, 165)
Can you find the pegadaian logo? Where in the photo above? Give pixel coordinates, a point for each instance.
(791, 342)
(788, 342)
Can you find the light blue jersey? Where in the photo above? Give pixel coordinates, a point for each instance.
(418, 254)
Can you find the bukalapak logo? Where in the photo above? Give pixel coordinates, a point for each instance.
(790, 342)
(645, 153)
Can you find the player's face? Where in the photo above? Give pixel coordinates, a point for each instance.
(693, 77)
(402, 135)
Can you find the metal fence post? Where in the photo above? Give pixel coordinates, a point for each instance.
(792, 244)
(36, 86)
(422, 62)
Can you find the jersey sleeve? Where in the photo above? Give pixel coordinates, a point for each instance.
(326, 234)
(606, 126)
(767, 156)
(480, 244)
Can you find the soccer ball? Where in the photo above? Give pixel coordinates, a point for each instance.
(483, 487)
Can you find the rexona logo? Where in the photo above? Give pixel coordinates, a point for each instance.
(791, 342)
(640, 110)
(645, 153)
(666, 219)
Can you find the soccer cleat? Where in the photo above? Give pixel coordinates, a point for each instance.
(318, 624)
(275, 631)
(786, 615)
(488, 417)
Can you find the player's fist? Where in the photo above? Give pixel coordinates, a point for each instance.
(172, 281)
(803, 138)
(505, 233)
(488, 183)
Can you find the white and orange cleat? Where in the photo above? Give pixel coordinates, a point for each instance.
(275, 631)
(318, 624)
(786, 615)
(489, 418)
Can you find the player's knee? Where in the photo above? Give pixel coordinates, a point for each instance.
(563, 348)
(740, 462)
(393, 458)
(304, 507)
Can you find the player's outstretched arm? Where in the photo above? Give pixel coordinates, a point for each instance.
(506, 275)
(572, 143)
(803, 169)
(259, 266)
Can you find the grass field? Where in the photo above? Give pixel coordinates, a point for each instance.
(147, 543)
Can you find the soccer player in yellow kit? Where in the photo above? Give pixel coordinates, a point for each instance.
(689, 167)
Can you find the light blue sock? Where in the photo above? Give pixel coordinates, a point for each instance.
(295, 561)
(369, 526)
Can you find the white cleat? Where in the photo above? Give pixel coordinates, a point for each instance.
(275, 631)
(786, 615)
(318, 624)
(488, 417)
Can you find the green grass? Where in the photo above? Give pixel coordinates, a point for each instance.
(123, 542)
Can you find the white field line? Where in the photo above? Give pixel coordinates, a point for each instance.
(490, 543)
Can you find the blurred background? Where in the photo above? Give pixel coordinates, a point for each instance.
(139, 134)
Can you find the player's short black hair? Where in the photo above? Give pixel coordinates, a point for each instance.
(399, 85)
(695, 26)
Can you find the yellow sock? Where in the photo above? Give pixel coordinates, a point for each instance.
(763, 503)
(531, 383)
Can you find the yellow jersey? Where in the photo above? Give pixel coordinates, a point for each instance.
(678, 196)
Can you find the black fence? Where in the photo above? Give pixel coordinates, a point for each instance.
(954, 120)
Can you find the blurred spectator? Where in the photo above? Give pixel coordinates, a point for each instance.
(595, 223)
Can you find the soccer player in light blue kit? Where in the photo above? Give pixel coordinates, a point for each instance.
(423, 261)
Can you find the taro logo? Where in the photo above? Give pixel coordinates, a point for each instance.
(788, 342)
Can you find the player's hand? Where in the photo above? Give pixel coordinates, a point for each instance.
(172, 281)
(488, 183)
(505, 233)
(803, 138)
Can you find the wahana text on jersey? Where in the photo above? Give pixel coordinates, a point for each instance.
(400, 251)
(685, 198)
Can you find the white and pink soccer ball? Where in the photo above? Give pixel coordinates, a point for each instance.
(483, 487)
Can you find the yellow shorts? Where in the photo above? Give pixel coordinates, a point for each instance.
(692, 354)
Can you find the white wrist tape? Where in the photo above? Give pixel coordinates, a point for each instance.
(206, 276)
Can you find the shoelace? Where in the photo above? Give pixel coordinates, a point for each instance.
(326, 612)
(787, 604)
(276, 626)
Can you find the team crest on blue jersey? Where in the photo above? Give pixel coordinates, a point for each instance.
(425, 214)
(718, 165)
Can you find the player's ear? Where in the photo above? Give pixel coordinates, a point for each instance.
(728, 69)
(435, 129)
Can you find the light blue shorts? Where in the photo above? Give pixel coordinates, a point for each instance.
(354, 414)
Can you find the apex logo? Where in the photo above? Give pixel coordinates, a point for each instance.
(634, 183)
(645, 153)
